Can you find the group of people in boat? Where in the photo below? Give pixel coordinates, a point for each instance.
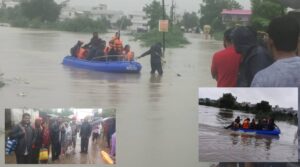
(262, 124)
(96, 49)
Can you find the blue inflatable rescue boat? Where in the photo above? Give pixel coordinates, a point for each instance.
(104, 66)
(276, 131)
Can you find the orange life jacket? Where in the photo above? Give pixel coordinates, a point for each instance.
(118, 45)
(129, 56)
(246, 124)
(106, 50)
(82, 53)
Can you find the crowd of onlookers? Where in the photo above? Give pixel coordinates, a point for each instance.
(57, 137)
(269, 60)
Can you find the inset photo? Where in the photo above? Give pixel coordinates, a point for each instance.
(60, 136)
(248, 124)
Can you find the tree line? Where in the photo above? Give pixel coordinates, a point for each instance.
(261, 109)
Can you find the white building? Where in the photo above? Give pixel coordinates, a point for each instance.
(9, 3)
(14, 116)
(139, 21)
(101, 11)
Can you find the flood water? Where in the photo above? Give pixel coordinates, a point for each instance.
(157, 118)
(219, 144)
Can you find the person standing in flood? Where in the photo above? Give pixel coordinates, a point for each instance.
(24, 134)
(156, 55)
(85, 133)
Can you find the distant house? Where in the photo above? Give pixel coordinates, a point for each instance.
(68, 12)
(101, 11)
(9, 3)
(139, 21)
(236, 16)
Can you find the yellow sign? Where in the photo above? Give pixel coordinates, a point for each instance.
(163, 25)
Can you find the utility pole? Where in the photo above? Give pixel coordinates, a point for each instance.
(172, 14)
(164, 34)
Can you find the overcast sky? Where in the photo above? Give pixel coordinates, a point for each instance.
(283, 97)
(136, 5)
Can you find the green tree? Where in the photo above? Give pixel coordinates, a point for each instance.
(263, 11)
(154, 12)
(44, 10)
(123, 23)
(210, 11)
(263, 106)
(190, 20)
(227, 101)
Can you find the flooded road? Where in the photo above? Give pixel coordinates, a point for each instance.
(156, 116)
(219, 144)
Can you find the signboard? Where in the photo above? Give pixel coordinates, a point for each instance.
(163, 25)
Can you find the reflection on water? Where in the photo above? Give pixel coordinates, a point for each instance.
(219, 144)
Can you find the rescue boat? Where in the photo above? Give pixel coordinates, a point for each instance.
(104, 66)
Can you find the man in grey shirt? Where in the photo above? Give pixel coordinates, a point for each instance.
(283, 40)
(285, 72)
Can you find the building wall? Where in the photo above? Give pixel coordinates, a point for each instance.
(15, 116)
(138, 20)
(243, 19)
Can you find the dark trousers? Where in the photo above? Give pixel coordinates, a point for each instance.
(156, 66)
(23, 159)
(84, 144)
(74, 141)
(95, 136)
(55, 151)
(35, 155)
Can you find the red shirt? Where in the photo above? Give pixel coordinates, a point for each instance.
(225, 66)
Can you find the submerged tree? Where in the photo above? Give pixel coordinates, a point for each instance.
(210, 11)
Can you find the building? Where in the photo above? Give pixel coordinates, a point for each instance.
(241, 17)
(14, 116)
(9, 3)
(284, 110)
(101, 11)
(139, 22)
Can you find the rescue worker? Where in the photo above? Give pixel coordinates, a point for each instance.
(253, 124)
(156, 56)
(117, 43)
(108, 48)
(95, 47)
(246, 123)
(82, 53)
(128, 55)
(76, 48)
